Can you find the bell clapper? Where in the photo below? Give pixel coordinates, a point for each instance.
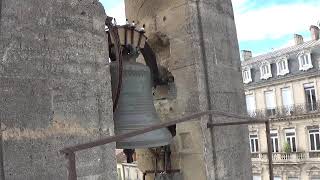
(129, 154)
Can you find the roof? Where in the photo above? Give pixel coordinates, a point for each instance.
(282, 52)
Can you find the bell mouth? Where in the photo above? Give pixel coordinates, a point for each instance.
(157, 138)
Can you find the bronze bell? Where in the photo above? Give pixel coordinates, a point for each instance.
(135, 108)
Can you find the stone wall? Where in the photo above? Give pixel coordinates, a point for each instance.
(54, 89)
(197, 42)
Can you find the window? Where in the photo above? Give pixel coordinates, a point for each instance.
(291, 139)
(311, 101)
(251, 104)
(287, 101)
(265, 71)
(246, 75)
(314, 136)
(256, 177)
(282, 67)
(254, 144)
(274, 141)
(305, 62)
(315, 178)
(270, 103)
(277, 178)
(293, 178)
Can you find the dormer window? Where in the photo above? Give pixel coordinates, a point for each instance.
(305, 62)
(246, 75)
(265, 71)
(282, 67)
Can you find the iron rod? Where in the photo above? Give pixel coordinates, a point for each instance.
(72, 173)
(148, 129)
(269, 150)
(2, 175)
(113, 31)
(144, 176)
(161, 171)
(211, 125)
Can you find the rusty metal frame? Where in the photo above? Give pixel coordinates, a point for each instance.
(113, 31)
(69, 152)
(267, 125)
(2, 175)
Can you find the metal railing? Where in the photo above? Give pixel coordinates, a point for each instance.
(285, 111)
(69, 152)
(280, 157)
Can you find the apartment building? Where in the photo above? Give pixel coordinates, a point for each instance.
(284, 86)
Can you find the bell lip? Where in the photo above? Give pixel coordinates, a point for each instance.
(142, 144)
(138, 142)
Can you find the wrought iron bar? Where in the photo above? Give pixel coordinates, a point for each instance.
(148, 129)
(269, 150)
(113, 31)
(211, 125)
(2, 175)
(285, 111)
(70, 151)
(267, 124)
(71, 166)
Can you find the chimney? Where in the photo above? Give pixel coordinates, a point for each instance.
(298, 39)
(246, 55)
(314, 32)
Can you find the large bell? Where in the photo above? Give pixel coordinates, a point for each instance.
(135, 108)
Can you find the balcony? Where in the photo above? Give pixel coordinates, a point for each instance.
(285, 111)
(293, 158)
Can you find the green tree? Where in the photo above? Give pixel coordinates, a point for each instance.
(287, 148)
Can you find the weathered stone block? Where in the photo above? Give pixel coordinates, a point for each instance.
(54, 89)
(203, 56)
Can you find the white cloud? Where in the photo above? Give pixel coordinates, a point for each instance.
(274, 22)
(239, 4)
(118, 12)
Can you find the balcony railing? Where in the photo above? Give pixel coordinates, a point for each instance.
(284, 111)
(293, 157)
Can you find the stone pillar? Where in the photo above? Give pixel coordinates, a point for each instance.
(54, 89)
(197, 42)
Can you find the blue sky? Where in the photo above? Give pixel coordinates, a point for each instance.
(262, 25)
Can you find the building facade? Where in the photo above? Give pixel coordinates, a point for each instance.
(127, 171)
(283, 85)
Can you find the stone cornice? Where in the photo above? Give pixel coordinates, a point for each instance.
(283, 79)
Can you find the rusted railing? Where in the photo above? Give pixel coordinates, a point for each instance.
(267, 124)
(69, 152)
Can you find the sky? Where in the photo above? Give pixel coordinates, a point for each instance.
(262, 25)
